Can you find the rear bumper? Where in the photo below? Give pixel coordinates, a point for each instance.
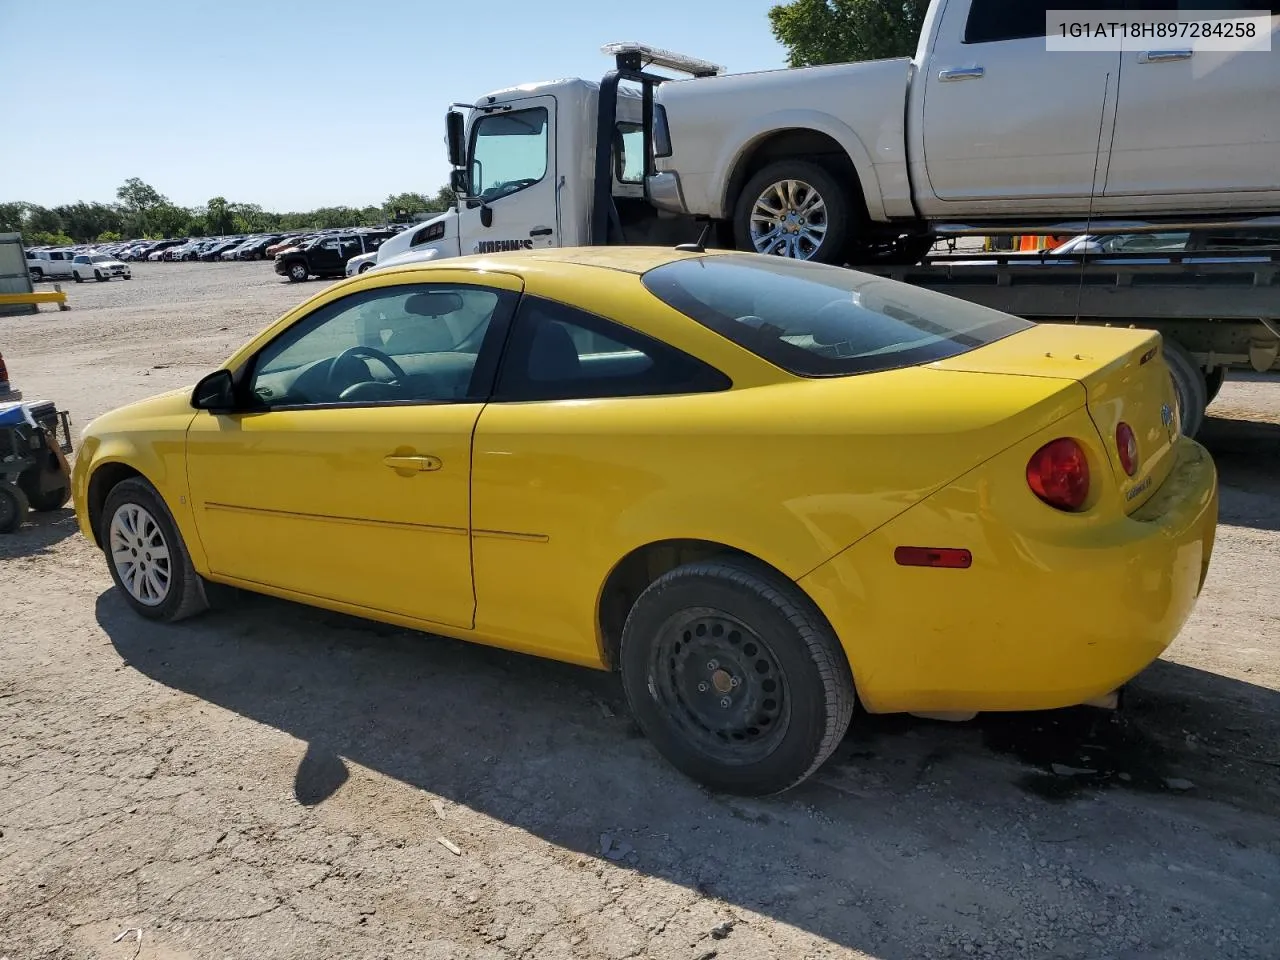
(1049, 615)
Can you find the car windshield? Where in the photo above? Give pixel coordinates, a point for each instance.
(815, 320)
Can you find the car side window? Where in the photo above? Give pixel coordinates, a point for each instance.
(557, 352)
(330, 244)
(412, 343)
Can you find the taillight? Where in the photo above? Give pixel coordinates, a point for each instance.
(1127, 444)
(1058, 473)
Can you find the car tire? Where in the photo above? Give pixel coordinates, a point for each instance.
(365, 268)
(97, 275)
(134, 518)
(13, 507)
(36, 274)
(727, 707)
(75, 274)
(297, 272)
(1189, 384)
(803, 183)
(52, 500)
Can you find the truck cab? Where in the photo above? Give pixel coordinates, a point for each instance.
(554, 164)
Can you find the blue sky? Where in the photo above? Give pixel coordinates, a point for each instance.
(299, 105)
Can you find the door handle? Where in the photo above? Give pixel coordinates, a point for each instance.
(1163, 56)
(952, 74)
(541, 232)
(414, 463)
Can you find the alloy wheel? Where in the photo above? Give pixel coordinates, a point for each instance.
(140, 554)
(789, 219)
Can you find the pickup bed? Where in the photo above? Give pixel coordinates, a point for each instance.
(862, 161)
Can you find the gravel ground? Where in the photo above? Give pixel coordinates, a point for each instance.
(273, 781)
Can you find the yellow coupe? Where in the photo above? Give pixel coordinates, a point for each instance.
(760, 488)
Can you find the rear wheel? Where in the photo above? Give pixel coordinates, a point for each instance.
(795, 209)
(76, 276)
(13, 507)
(735, 676)
(147, 557)
(36, 274)
(1189, 384)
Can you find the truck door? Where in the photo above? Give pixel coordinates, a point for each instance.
(511, 165)
(1202, 121)
(1005, 120)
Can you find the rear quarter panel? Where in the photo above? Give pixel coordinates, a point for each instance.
(791, 471)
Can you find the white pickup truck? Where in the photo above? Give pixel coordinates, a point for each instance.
(864, 161)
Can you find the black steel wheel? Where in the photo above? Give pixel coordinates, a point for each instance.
(735, 676)
(721, 684)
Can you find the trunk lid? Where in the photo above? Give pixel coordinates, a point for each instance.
(1125, 379)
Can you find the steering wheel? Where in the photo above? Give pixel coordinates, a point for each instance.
(341, 364)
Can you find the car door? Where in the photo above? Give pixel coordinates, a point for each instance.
(512, 169)
(323, 256)
(1005, 124)
(345, 477)
(1198, 121)
(554, 471)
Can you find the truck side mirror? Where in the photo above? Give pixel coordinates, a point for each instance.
(456, 127)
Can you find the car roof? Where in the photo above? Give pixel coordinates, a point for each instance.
(636, 260)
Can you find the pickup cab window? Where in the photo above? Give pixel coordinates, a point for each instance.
(508, 152)
(993, 20)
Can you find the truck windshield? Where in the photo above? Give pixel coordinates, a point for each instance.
(508, 152)
(814, 320)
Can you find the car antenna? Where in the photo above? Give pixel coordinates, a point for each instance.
(1093, 190)
(700, 245)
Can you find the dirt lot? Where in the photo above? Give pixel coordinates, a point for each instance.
(271, 781)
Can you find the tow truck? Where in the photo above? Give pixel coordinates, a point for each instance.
(566, 163)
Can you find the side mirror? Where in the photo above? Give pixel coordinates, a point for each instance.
(456, 127)
(215, 393)
(458, 182)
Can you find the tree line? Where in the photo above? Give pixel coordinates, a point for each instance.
(142, 211)
(841, 31)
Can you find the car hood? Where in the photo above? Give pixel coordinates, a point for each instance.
(160, 411)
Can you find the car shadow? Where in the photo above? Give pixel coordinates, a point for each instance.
(856, 855)
(1247, 453)
(39, 533)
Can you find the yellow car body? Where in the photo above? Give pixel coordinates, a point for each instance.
(533, 525)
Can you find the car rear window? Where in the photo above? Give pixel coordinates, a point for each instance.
(814, 320)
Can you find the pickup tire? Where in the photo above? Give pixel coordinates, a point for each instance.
(298, 272)
(796, 209)
(1189, 383)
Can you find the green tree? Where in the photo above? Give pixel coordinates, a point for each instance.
(41, 220)
(139, 200)
(109, 236)
(168, 220)
(839, 31)
(84, 221)
(218, 216)
(45, 238)
(11, 216)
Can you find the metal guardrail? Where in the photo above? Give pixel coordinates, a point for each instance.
(56, 295)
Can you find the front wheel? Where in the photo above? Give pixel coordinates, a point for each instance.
(75, 274)
(147, 557)
(97, 275)
(736, 678)
(795, 209)
(298, 272)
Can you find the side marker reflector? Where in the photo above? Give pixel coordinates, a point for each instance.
(948, 557)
